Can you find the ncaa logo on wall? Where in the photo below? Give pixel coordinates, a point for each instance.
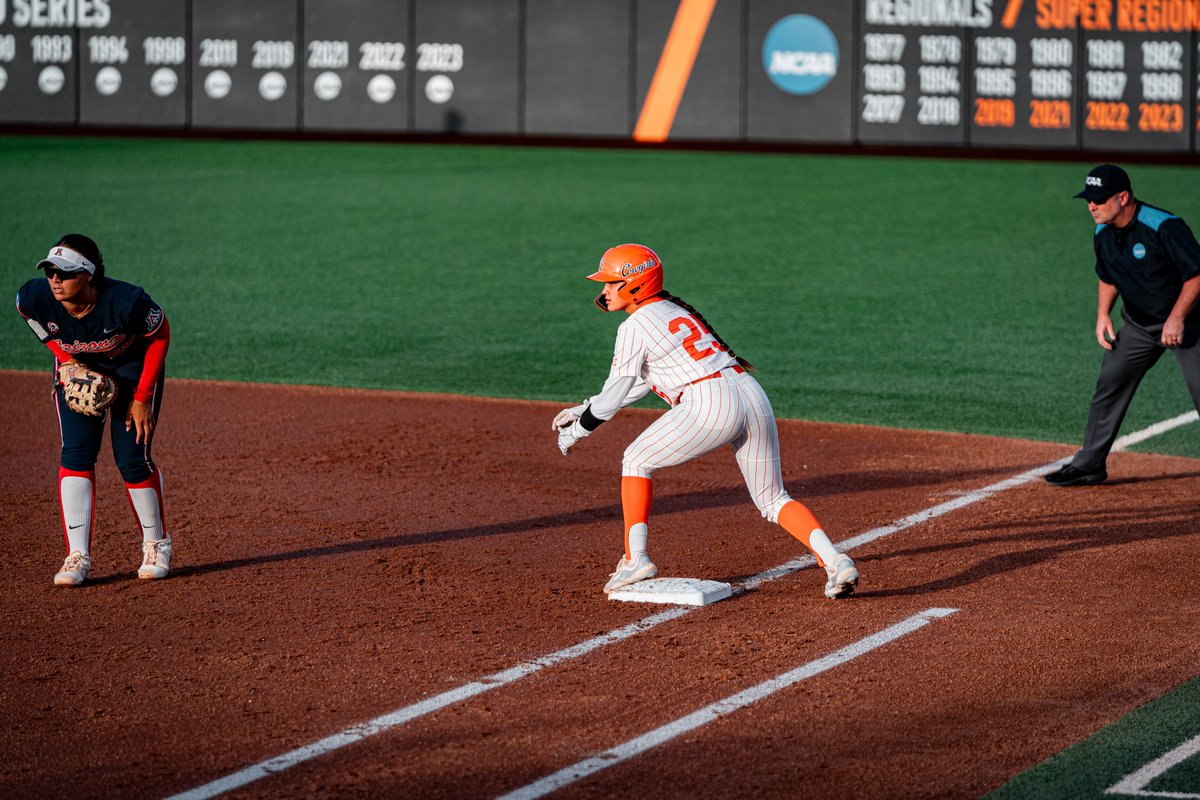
(800, 54)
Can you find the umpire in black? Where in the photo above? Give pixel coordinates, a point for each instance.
(1149, 258)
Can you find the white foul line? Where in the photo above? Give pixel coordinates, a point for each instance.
(400, 716)
(1135, 783)
(1154, 430)
(408, 713)
(664, 734)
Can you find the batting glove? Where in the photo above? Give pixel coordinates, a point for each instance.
(564, 418)
(568, 436)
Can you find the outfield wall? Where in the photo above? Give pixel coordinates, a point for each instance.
(1054, 74)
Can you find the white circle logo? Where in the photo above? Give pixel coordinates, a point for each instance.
(51, 80)
(108, 81)
(327, 86)
(439, 89)
(381, 88)
(217, 84)
(164, 81)
(3, 78)
(272, 86)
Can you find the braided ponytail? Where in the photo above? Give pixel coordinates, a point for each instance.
(743, 363)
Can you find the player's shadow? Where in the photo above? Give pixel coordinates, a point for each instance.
(1060, 535)
(706, 500)
(1134, 480)
(841, 483)
(666, 505)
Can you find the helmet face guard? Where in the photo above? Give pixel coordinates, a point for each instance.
(636, 267)
(601, 302)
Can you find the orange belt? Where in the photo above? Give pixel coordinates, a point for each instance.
(717, 374)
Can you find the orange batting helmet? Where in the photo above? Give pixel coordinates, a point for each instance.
(636, 266)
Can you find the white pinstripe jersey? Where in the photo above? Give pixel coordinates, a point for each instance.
(665, 345)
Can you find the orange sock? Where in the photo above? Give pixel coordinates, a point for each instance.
(637, 495)
(796, 519)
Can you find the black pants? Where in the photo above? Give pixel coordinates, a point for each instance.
(82, 435)
(1134, 352)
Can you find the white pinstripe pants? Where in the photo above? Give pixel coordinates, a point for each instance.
(732, 409)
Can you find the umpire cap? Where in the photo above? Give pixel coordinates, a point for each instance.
(1103, 182)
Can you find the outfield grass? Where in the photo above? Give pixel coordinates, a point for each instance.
(1086, 770)
(917, 293)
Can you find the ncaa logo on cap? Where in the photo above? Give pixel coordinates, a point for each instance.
(1103, 182)
(800, 54)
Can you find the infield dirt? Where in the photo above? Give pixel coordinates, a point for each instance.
(341, 553)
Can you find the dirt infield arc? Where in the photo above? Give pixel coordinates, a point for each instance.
(343, 553)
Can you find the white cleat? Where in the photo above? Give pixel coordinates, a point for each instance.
(629, 572)
(843, 577)
(74, 570)
(156, 559)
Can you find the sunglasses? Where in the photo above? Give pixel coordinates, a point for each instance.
(51, 272)
(1105, 200)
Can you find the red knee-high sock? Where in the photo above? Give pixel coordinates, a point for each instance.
(637, 495)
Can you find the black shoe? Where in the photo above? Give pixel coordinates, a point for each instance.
(1070, 475)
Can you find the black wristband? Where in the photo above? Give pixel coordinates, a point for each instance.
(589, 421)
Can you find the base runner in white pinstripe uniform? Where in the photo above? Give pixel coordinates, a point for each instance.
(667, 347)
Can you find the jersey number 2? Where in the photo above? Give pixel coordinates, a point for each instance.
(696, 331)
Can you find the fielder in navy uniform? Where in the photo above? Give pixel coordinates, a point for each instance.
(1149, 258)
(114, 328)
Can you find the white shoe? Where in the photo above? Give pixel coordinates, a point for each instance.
(843, 577)
(629, 572)
(156, 559)
(74, 570)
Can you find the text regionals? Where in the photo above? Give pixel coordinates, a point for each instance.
(930, 13)
(56, 13)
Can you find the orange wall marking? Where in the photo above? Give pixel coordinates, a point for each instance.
(1011, 13)
(674, 69)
